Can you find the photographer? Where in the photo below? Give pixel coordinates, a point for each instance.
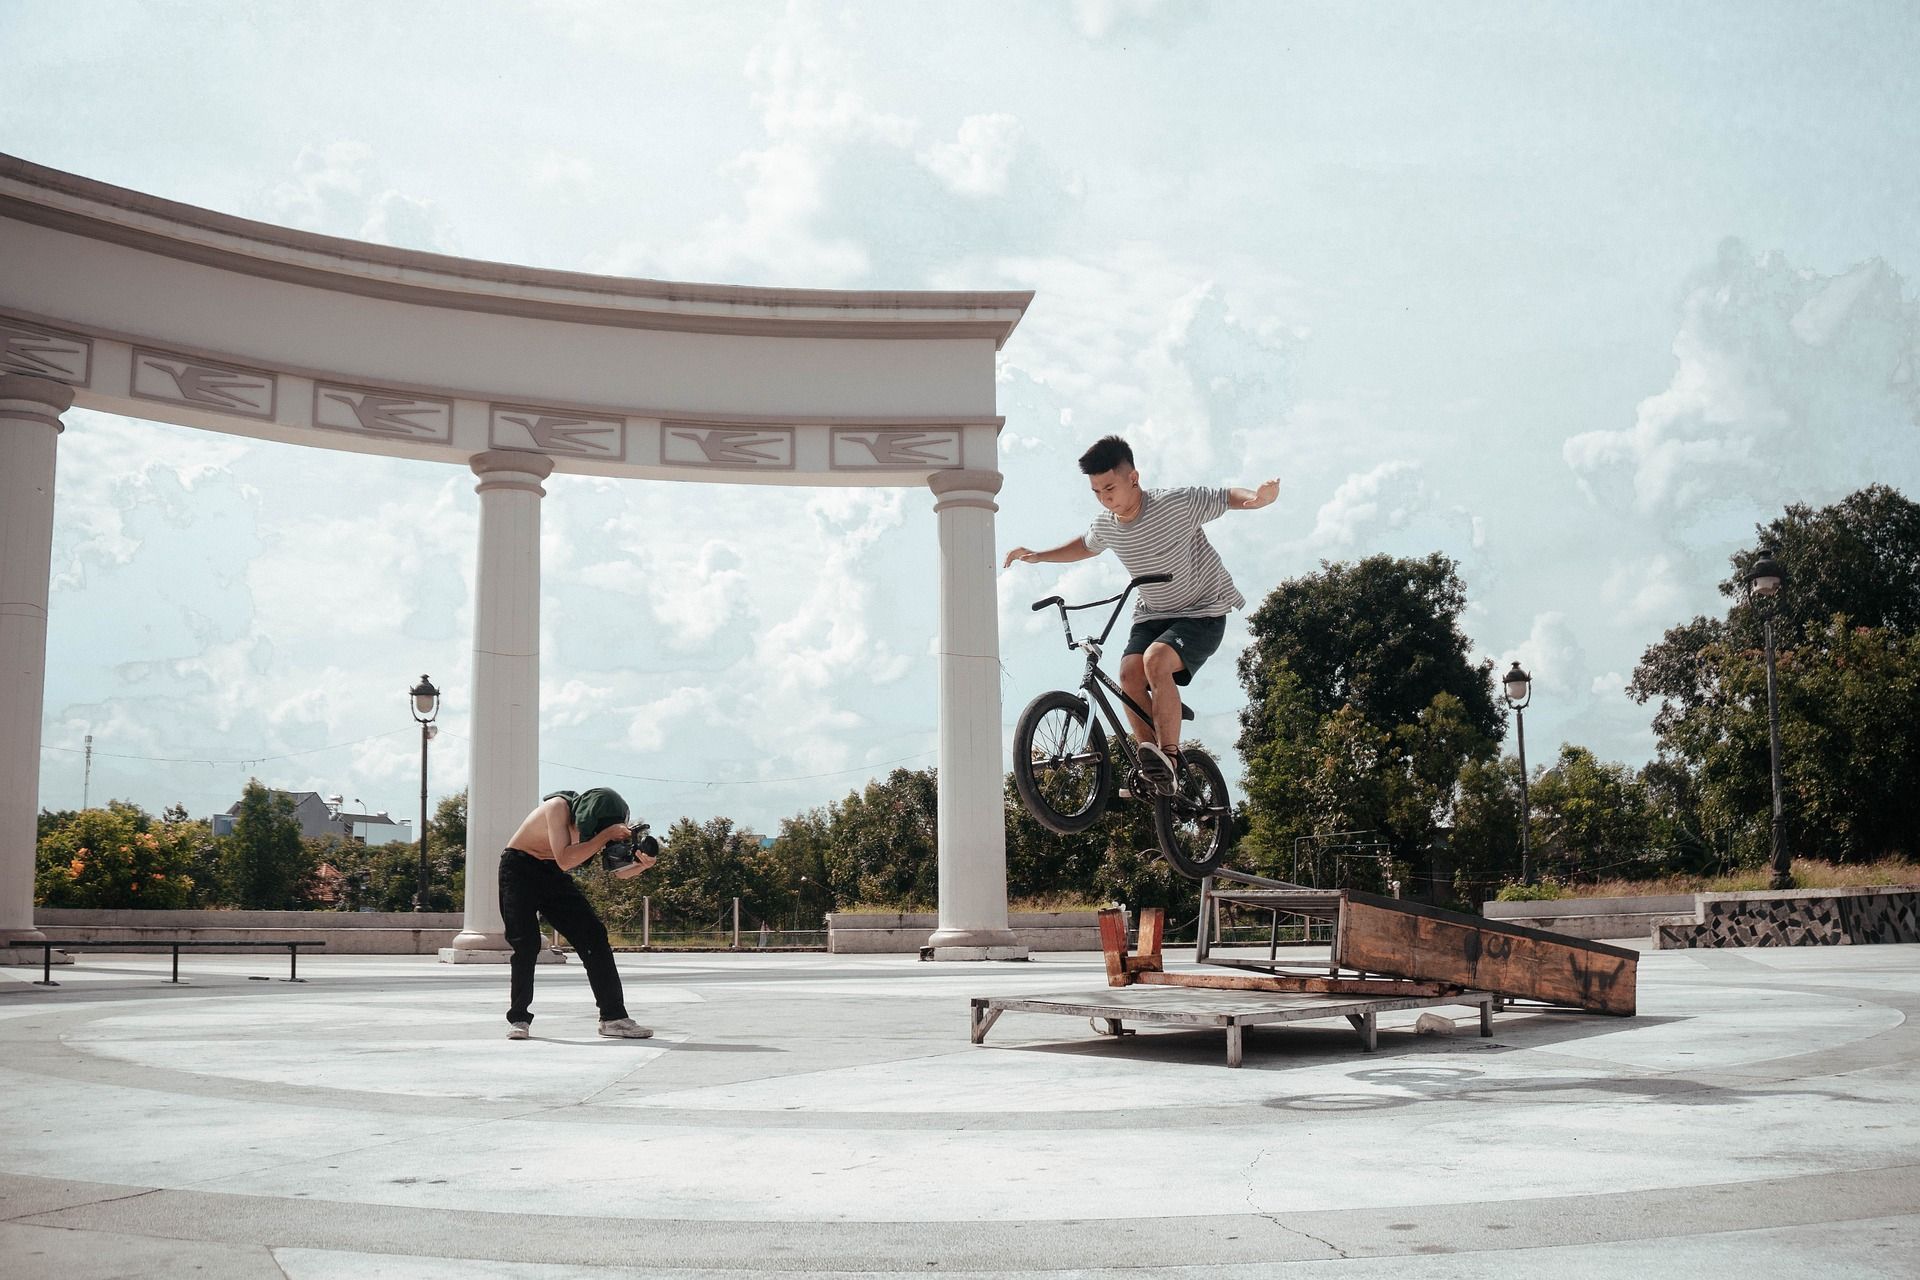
(564, 831)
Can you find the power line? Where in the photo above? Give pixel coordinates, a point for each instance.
(708, 783)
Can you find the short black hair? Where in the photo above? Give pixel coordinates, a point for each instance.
(1107, 453)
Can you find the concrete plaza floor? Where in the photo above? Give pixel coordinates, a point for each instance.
(810, 1114)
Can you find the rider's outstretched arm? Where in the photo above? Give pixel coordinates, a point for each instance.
(1065, 553)
(1253, 499)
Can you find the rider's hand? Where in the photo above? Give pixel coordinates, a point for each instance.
(1266, 493)
(1021, 554)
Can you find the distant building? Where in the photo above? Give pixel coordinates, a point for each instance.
(324, 816)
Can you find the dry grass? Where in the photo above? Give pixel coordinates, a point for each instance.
(1808, 873)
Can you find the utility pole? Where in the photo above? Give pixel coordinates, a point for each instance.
(86, 778)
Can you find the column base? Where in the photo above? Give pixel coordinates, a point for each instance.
(468, 955)
(35, 956)
(1015, 952)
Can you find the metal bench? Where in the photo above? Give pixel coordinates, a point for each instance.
(49, 945)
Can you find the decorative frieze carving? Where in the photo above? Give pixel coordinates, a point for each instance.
(385, 415)
(203, 384)
(895, 448)
(743, 448)
(550, 431)
(39, 352)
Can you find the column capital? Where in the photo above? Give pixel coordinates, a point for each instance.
(23, 396)
(965, 488)
(511, 469)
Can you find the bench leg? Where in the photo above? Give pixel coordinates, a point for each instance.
(1486, 1016)
(1236, 1044)
(176, 964)
(1369, 1030)
(46, 967)
(293, 964)
(983, 1020)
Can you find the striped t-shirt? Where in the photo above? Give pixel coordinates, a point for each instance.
(1166, 537)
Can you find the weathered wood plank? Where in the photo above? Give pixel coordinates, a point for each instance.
(1153, 928)
(1290, 983)
(1113, 941)
(1382, 936)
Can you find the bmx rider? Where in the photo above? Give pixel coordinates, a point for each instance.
(1177, 625)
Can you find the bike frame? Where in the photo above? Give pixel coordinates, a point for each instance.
(1093, 646)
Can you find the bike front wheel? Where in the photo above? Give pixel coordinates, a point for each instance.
(1195, 823)
(1061, 766)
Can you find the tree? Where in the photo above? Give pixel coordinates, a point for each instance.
(110, 857)
(1845, 629)
(266, 864)
(1363, 707)
(886, 839)
(1381, 636)
(1859, 558)
(1591, 818)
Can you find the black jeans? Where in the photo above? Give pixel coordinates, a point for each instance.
(532, 887)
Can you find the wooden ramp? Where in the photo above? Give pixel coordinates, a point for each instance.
(1389, 941)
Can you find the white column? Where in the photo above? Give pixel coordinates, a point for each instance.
(973, 833)
(504, 773)
(30, 410)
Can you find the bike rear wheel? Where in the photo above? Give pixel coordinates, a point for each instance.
(1061, 766)
(1195, 823)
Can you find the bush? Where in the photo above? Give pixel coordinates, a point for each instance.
(1544, 891)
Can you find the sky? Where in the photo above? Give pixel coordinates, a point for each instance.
(1576, 294)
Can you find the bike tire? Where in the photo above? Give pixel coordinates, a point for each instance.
(1061, 766)
(1195, 827)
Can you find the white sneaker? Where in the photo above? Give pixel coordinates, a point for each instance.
(1157, 766)
(625, 1029)
(519, 1031)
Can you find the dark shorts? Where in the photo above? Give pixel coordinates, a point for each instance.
(1194, 639)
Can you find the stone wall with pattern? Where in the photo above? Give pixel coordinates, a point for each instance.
(1797, 918)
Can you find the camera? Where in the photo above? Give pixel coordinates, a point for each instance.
(618, 856)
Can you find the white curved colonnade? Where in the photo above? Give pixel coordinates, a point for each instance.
(118, 301)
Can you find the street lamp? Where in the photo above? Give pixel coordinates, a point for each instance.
(1765, 578)
(799, 903)
(1519, 692)
(425, 706)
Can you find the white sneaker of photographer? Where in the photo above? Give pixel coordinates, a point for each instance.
(519, 1031)
(625, 1029)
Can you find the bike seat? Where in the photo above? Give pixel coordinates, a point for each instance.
(1186, 712)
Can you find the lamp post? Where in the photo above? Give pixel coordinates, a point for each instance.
(799, 903)
(1765, 578)
(1518, 686)
(425, 706)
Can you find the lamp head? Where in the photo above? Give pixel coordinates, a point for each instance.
(1765, 577)
(426, 700)
(1519, 686)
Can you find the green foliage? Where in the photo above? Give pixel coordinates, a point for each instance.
(266, 866)
(1846, 630)
(1590, 817)
(351, 876)
(1380, 636)
(115, 857)
(1363, 709)
(1539, 891)
(885, 839)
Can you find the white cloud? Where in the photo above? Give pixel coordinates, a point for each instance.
(337, 189)
(976, 163)
(1786, 382)
(1551, 654)
(1387, 496)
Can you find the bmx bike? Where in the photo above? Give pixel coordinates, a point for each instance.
(1065, 765)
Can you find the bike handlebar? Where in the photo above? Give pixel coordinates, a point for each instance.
(1144, 580)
